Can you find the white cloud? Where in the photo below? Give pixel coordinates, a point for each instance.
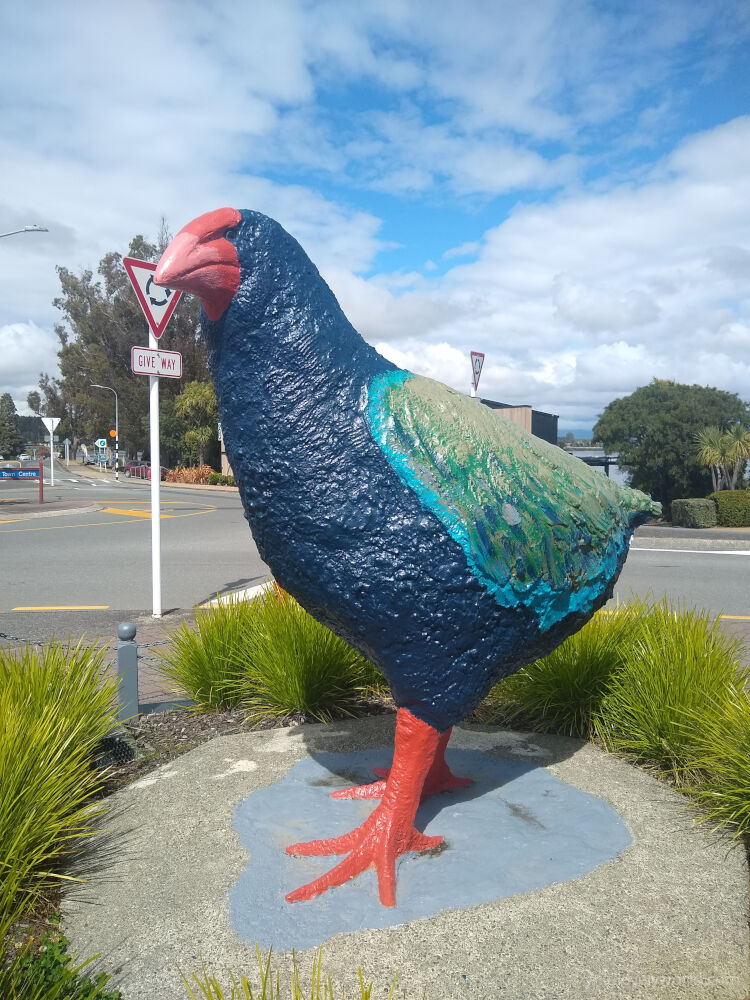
(651, 285)
(335, 117)
(26, 350)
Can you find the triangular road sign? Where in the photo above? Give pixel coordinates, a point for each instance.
(157, 303)
(477, 360)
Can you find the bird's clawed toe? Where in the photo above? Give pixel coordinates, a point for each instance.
(440, 779)
(375, 790)
(377, 843)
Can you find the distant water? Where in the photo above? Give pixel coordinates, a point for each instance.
(615, 473)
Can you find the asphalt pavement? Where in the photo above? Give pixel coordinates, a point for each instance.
(100, 626)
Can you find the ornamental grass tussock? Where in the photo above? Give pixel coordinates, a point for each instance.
(270, 657)
(56, 705)
(664, 686)
(678, 671)
(207, 986)
(722, 759)
(563, 691)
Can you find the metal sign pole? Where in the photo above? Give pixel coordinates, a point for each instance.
(157, 304)
(153, 419)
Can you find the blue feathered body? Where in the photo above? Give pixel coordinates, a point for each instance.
(334, 514)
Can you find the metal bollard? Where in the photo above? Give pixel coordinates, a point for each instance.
(127, 670)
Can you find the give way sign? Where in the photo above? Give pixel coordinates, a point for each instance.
(157, 303)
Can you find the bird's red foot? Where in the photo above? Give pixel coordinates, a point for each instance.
(389, 831)
(439, 779)
(377, 843)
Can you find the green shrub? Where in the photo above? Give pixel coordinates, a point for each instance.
(218, 479)
(694, 513)
(298, 665)
(55, 704)
(733, 508)
(268, 655)
(722, 756)
(49, 974)
(209, 660)
(679, 666)
(563, 691)
(269, 984)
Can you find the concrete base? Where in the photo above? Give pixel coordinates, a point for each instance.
(664, 918)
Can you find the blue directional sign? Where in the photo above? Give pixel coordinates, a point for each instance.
(19, 473)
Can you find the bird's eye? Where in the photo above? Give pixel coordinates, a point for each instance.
(231, 234)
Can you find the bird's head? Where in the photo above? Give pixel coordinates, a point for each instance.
(202, 259)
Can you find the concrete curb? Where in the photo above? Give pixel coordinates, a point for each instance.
(66, 507)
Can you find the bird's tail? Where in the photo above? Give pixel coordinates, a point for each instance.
(641, 508)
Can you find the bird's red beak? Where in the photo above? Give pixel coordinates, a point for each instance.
(200, 260)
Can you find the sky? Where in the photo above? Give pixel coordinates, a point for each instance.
(563, 185)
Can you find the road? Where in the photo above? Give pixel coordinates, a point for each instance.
(98, 559)
(716, 581)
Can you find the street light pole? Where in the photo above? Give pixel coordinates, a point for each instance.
(95, 385)
(26, 229)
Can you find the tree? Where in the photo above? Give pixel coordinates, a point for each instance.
(11, 441)
(724, 452)
(654, 429)
(196, 404)
(101, 321)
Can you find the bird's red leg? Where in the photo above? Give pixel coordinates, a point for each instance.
(388, 832)
(439, 779)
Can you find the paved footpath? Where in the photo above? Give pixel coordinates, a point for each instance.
(567, 874)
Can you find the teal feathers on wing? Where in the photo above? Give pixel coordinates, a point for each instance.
(538, 527)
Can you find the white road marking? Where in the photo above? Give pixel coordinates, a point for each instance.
(697, 552)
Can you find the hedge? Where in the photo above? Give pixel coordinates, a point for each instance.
(697, 513)
(733, 508)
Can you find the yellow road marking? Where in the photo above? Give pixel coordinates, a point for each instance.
(168, 503)
(64, 607)
(736, 618)
(135, 513)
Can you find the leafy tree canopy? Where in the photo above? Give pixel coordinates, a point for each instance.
(101, 321)
(197, 405)
(654, 431)
(11, 440)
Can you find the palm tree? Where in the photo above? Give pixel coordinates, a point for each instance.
(738, 450)
(725, 452)
(711, 451)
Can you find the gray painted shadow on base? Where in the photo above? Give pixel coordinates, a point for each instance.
(516, 829)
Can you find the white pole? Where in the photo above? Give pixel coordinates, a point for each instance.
(51, 459)
(117, 440)
(473, 391)
(153, 397)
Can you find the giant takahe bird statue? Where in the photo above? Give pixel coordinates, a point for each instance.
(438, 538)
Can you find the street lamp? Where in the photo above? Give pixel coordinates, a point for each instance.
(26, 229)
(95, 385)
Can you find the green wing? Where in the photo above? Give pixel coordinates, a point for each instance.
(538, 527)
